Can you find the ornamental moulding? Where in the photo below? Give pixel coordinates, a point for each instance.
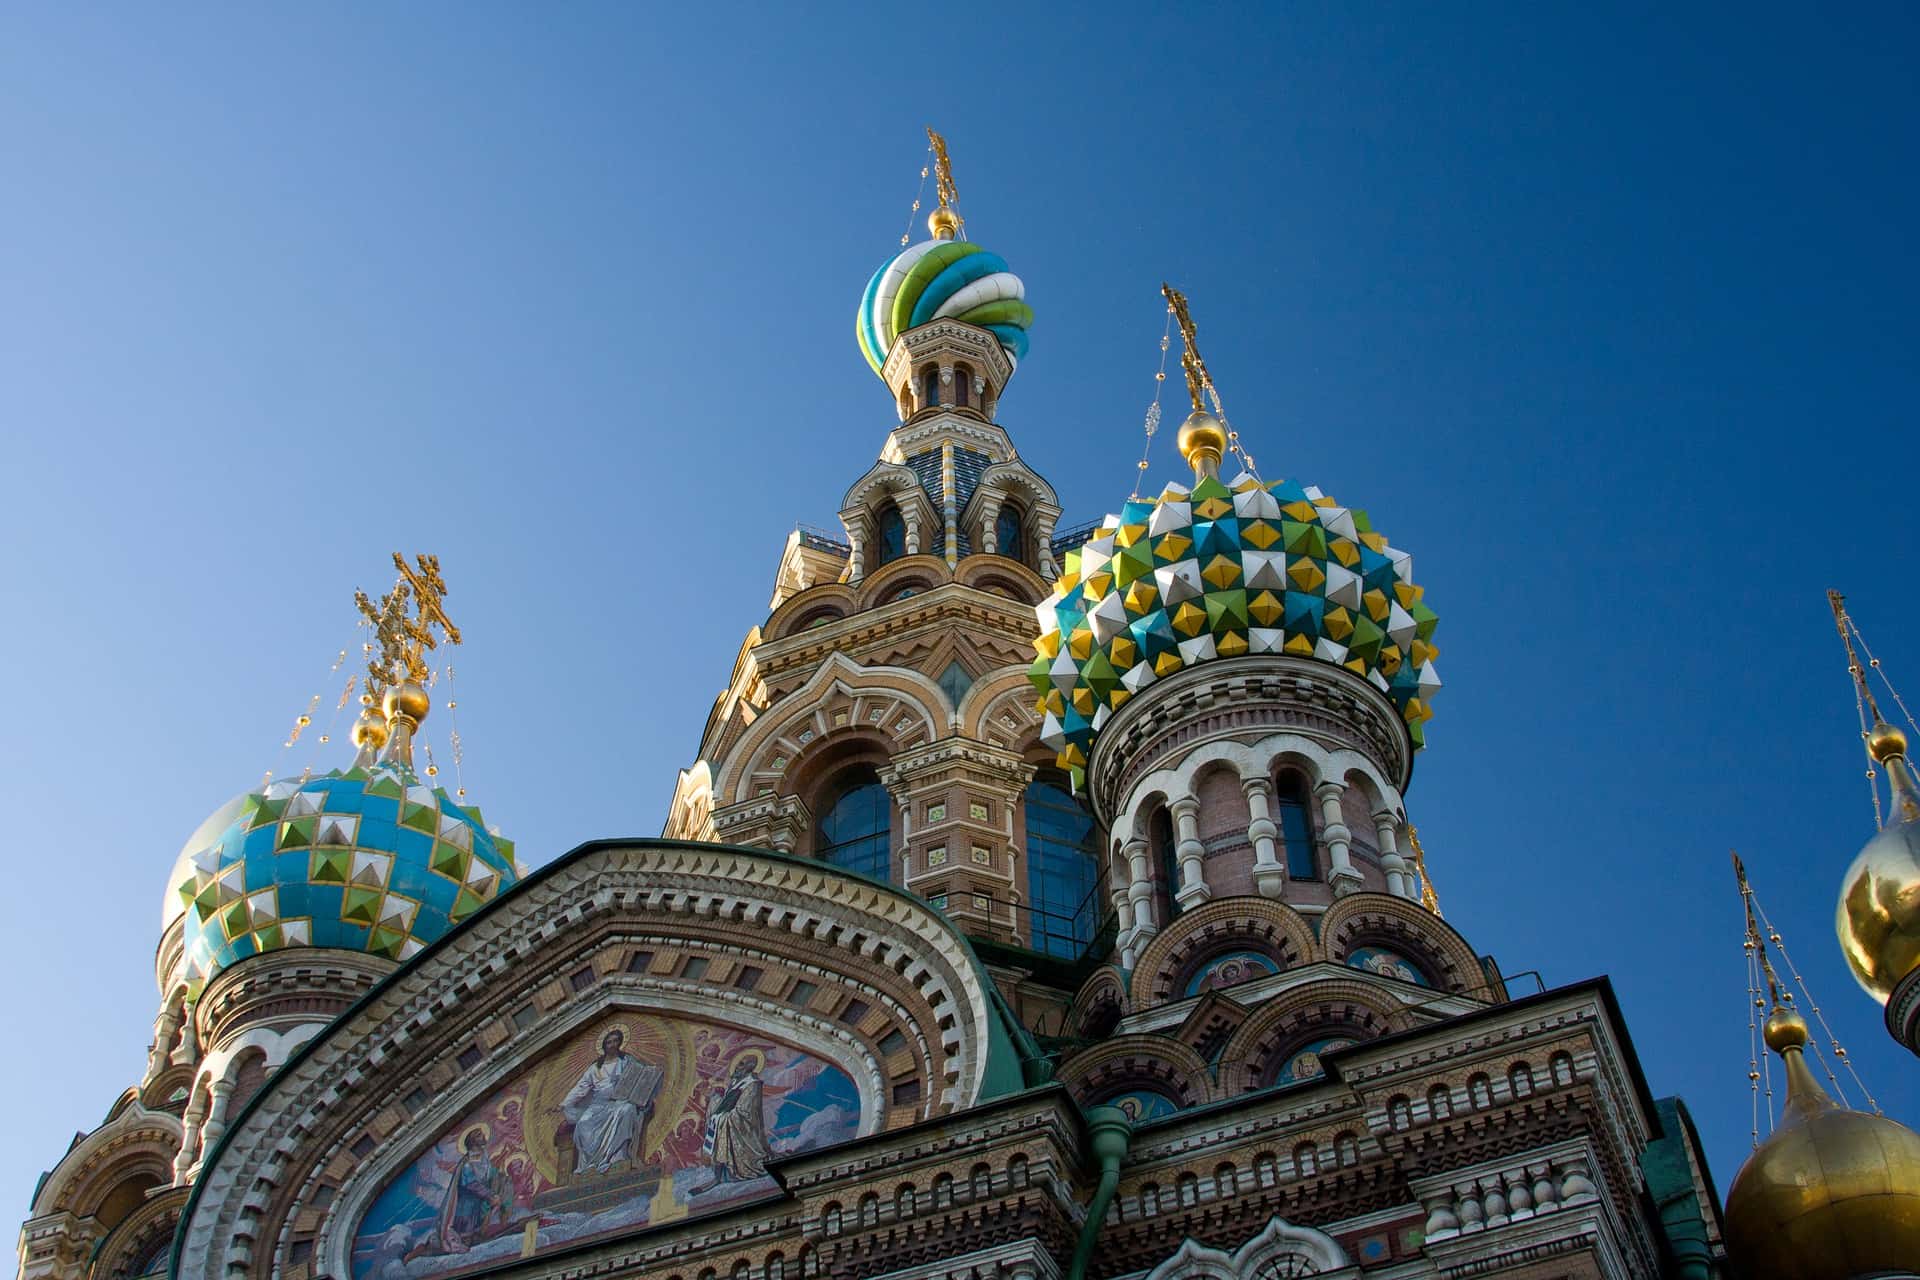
(1282, 1249)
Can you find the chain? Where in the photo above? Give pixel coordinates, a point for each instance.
(1153, 410)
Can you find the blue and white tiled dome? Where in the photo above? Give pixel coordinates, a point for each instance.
(370, 859)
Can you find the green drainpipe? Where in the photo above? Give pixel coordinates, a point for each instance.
(1110, 1131)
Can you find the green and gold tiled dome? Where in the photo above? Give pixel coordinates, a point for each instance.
(1221, 570)
(370, 859)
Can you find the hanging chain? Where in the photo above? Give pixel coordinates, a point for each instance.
(1833, 1042)
(1754, 1004)
(1153, 410)
(453, 736)
(906, 237)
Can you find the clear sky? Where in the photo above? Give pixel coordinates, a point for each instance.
(1605, 313)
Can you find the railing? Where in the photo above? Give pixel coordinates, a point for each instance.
(1071, 538)
(821, 540)
(1069, 937)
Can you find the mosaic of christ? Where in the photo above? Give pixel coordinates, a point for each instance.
(636, 1119)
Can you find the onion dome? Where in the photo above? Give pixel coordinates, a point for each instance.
(205, 836)
(1220, 570)
(1878, 918)
(1833, 1194)
(942, 278)
(370, 859)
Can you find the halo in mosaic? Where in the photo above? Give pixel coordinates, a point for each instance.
(1217, 571)
(937, 279)
(367, 860)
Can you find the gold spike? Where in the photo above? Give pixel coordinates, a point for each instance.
(1428, 898)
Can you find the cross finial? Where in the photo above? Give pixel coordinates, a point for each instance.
(428, 589)
(387, 655)
(945, 222)
(1755, 941)
(1190, 361)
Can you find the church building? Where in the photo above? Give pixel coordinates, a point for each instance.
(1041, 902)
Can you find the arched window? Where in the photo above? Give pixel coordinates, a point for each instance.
(1561, 1064)
(1440, 1102)
(1160, 845)
(1399, 1113)
(962, 385)
(1226, 1181)
(1346, 1150)
(891, 543)
(857, 831)
(1480, 1093)
(1520, 1079)
(870, 1210)
(1306, 1159)
(1062, 869)
(1296, 827)
(1266, 1169)
(1006, 533)
(930, 387)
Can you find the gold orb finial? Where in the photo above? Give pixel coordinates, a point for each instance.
(1884, 742)
(1202, 442)
(370, 730)
(944, 223)
(407, 701)
(1785, 1029)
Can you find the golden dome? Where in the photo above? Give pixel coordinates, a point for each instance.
(1878, 918)
(1833, 1194)
(370, 730)
(1885, 742)
(407, 701)
(1202, 441)
(944, 223)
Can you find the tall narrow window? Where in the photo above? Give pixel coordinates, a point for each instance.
(1006, 533)
(1296, 827)
(857, 832)
(962, 385)
(892, 542)
(1165, 861)
(1062, 870)
(930, 387)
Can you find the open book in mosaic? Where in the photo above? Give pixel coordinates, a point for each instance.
(370, 859)
(1221, 570)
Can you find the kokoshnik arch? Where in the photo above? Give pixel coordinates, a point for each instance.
(1039, 903)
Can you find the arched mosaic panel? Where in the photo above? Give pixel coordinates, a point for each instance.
(1143, 1104)
(636, 1120)
(1387, 963)
(1304, 1062)
(1228, 970)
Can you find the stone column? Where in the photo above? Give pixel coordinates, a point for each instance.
(1118, 893)
(1333, 829)
(189, 1153)
(1140, 896)
(1386, 827)
(187, 1051)
(911, 517)
(216, 1121)
(989, 535)
(1269, 876)
(858, 527)
(165, 1028)
(1193, 854)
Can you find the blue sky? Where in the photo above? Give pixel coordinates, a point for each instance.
(1605, 315)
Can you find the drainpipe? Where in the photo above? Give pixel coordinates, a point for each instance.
(1110, 1131)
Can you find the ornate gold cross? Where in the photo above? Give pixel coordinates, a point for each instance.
(388, 618)
(428, 590)
(1190, 362)
(942, 170)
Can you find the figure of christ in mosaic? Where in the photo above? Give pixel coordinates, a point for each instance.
(634, 1119)
(609, 1105)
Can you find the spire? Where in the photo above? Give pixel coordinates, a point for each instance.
(944, 222)
(1886, 745)
(1203, 438)
(397, 673)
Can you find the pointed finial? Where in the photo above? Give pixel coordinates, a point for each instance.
(1886, 744)
(1203, 437)
(944, 222)
(1428, 898)
(1756, 941)
(397, 671)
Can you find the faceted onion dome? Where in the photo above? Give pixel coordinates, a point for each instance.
(1833, 1194)
(370, 859)
(1217, 571)
(939, 279)
(204, 837)
(1878, 918)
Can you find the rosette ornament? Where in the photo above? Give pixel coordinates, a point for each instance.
(942, 279)
(1218, 571)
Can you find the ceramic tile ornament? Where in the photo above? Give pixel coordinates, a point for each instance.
(369, 859)
(1219, 570)
(942, 279)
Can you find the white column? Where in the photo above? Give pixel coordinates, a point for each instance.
(216, 1122)
(1269, 875)
(183, 1160)
(989, 535)
(1333, 829)
(1117, 893)
(857, 527)
(1140, 896)
(1386, 826)
(911, 516)
(165, 1027)
(1192, 854)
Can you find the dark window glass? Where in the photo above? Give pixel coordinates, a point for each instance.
(1160, 844)
(1006, 533)
(857, 831)
(962, 385)
(930, 384)
(1062, 870)
(1296, 827)
(893, 535)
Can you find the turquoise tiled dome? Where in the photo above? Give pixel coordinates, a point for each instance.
(371, 860)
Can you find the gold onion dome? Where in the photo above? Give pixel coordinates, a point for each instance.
(1833, 1194)
(1878, 917)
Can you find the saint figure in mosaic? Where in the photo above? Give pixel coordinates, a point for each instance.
(736, 1134)
(609, 1105)
(478, 1204)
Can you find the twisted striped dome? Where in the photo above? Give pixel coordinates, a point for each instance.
(942, 279)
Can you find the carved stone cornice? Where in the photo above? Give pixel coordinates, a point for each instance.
(282, 989)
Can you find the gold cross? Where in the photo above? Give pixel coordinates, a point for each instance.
(942, 170)
(1190, 362)
(428, 590)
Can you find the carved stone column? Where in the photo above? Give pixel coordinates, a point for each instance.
(1140, 894)
(1269, 876)
(859, 528)
(1386, 825)
(989, 535)
(1341, 874)
(165, 1028)
(221, 1092)
(1193, 854)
